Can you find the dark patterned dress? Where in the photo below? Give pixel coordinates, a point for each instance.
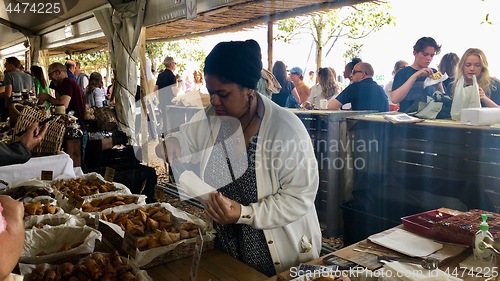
(241, 241)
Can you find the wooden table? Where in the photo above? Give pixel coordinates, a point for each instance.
(433, 150)
(214, 265)
(451, 266)
(411, 168)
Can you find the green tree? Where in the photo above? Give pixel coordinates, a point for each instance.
(185, 53)
(155, 52)
(326, 28)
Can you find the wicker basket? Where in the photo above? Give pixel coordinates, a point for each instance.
(106, 118)
(52, 142)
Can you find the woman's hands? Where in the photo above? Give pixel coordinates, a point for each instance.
(13, 211)
(485, 99)
(222, 209)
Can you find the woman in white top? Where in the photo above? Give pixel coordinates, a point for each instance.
(95, 94)
(263, 211)
(327, 87)
(400, 64)
(199, 83)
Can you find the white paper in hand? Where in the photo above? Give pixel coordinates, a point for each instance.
(429, 81)
(194, 187)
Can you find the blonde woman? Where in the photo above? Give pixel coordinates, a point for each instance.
(95, 94)
(473, 62)
(199, 83)
(327, 87)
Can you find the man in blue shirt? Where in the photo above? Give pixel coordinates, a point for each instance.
(363, 93)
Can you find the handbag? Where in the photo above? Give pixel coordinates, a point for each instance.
(464, 97)
(437, 106)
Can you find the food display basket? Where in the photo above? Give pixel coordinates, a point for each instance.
(52, 142)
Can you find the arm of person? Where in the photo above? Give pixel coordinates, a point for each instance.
(342, 98)
(334, 105)
(12, 239)
(19, 152)
(8, 91)
(485, 99)
(400, 93)
(295, 93)
(63, 99)
(14, 153)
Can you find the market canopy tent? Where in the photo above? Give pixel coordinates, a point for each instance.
(74, 28)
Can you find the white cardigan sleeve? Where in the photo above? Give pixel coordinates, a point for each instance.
(288, 181)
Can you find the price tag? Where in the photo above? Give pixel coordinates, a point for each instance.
(109, 175)
(75, 201)
(129, 244)
(198, 249)
(46, 175)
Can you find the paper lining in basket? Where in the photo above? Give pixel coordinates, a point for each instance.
(62, 196)
(25, 190)
(52, 239)
(140, 275)
(50, 220)
(143, 258)
(140, 200)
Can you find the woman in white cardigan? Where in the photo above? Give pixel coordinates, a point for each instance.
(259, 157)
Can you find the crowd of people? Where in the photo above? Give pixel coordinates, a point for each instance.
(263, 212)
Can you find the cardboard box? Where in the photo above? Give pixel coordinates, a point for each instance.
(480, 116)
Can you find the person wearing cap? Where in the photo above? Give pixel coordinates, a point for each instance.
(259, 157)
(297, 77)
(164, 88)
(363, 93)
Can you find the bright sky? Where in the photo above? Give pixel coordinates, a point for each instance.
(455, 24)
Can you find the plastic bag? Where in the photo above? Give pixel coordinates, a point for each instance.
(464, 97)
(437, 106)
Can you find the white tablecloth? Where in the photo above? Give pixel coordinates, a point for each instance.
(59, 164)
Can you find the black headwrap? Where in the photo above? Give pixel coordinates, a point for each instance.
(237, 61)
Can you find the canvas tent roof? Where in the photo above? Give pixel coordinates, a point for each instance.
(165, 20)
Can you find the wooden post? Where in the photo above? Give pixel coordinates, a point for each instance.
(144, 91)
(270, 46)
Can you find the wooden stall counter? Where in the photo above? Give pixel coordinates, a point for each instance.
(214, 265)
(365, 254)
